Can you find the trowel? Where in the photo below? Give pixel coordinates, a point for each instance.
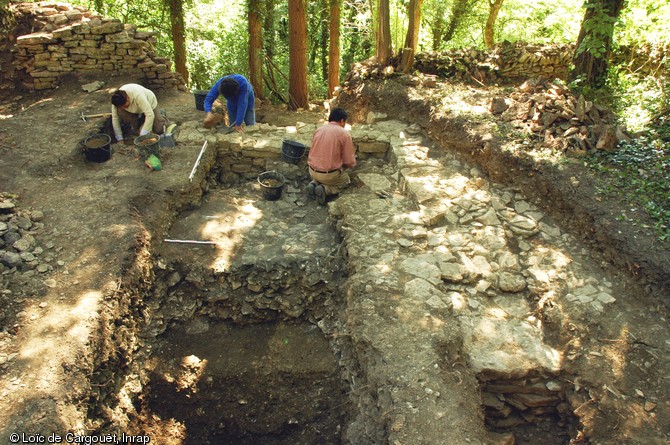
(167, 139)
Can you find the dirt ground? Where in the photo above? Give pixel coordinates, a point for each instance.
(43, 171)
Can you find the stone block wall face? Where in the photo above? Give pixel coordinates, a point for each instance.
(69, 39)
(523, 61)
(505, 62)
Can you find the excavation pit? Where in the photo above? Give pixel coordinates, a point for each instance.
(238, 343)
(271, 383)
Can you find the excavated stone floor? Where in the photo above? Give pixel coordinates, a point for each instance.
(441, 294)
(426, 304)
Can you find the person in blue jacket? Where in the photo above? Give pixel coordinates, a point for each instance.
(240, 101)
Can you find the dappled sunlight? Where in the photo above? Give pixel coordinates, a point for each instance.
(502, 342)
(430, 322)
(413, 217)
(42, 347)
(118, 230)
(191, 371)
(494, 313)
(227, 232)
(616, 352)
(458, 302)
(383, 267)
(39, 102)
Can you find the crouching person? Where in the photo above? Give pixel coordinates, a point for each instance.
(332, 152)
(136, 108)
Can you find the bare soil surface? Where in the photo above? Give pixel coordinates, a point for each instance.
(93, 222)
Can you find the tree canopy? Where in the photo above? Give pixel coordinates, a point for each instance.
(207, 39)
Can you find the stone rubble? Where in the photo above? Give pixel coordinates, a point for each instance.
(562, 121)
(27, 259)
(443, 257)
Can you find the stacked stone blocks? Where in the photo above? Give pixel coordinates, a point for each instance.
(70, 39)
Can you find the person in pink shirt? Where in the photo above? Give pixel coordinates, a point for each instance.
(332, 152)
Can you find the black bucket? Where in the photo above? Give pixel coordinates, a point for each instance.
(292, 151)
(97, 148)
(200, 99)
(272, 184)
(149, 144)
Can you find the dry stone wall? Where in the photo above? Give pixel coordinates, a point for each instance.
(66, 39)
(505, 62)
(247, 154)
(522, 61)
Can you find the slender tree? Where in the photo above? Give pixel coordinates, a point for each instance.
(256, 47)
(460, 9)
(412, 38)
(383, 36)
(297, 24)
(324, 23)
(594, 43)
(436, 23)
(176, 9)
(334, 46)
(494, 9)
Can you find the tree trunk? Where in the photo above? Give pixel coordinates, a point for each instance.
(459, 11)
(412, 38)
(269, 29)
(256, 47)
(436, 26)
(334, 47)
(176, 8)
(494, 9)
(383, 53)
(594, 44)
(324, 22)
(297, 25)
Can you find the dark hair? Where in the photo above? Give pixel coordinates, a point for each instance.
(337, 114)
(119, 98)
(228, 87)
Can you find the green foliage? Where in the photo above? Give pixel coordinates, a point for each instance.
(150, 15)
(636, 100)
(541, 21)
(598, 27)
(644, 21)
(217, 42)
(639, 172)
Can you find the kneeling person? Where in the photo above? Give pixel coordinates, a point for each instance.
(130, 103)
(331, 153)
(240, 102)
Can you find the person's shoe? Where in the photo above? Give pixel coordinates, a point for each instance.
(311, 194)
(320, 193)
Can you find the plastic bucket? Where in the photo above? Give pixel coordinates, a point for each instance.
(149, 144)
(292, 151)
(97, 148)
(200, 99)
(272, 184)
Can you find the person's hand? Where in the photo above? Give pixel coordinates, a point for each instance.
(239, 129)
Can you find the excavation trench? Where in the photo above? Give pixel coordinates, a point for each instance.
(351, 323)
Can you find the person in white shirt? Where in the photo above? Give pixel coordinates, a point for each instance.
(130, 103)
